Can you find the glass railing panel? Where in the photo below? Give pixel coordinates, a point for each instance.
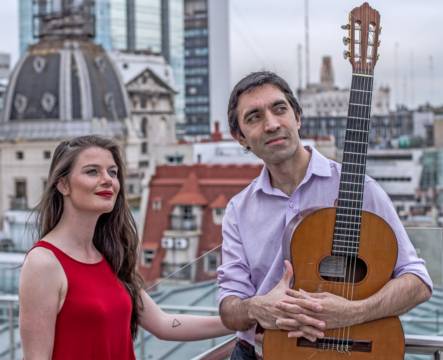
(186, 290)
(183, 289)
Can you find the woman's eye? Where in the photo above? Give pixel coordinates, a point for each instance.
(91, 172)
(112, 173)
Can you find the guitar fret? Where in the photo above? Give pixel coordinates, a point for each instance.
(352, 183)
(353, 153)
(343, 241)
(350, 247)
(341, 252)
(347, 215)
(355, 142)
(354, 238)
(358, 118)
(354, 104)
(358, 90)
(352, 163)
(357, 130)
(344, 172)
(362, 75)
(348, 222)
(347, 229)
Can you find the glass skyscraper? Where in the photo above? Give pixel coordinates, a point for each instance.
(172, 26)
(152, 25)
(207, 65)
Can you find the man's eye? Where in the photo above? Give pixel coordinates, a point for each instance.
(280, 109)
(252, 118)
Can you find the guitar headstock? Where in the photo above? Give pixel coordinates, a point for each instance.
(362, 40)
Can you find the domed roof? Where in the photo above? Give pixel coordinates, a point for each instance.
(64, 80)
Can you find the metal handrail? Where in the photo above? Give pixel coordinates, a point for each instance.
(415, 344)
(424, 344)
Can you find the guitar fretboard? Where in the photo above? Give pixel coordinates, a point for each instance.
(350, 199)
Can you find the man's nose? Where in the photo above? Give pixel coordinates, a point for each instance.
(272, 123)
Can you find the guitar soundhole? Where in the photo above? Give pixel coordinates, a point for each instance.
(335, 344)
(343, 269)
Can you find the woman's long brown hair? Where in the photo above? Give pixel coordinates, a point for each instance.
(115, 233)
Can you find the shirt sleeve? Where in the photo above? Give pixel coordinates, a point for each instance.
(376, 200)
(233, 275)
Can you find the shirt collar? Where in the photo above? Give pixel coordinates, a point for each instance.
(319, 165)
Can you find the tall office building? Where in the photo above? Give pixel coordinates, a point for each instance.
(207, 65)
(120, 24)
(172, 35)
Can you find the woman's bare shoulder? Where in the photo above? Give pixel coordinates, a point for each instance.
(42, 262)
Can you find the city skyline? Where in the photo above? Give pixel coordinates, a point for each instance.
(265, 37)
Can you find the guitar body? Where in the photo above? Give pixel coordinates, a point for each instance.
(312, 243)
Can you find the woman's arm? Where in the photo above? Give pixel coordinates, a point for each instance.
(42, 280)
(179, 327)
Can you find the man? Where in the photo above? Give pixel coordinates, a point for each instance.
(265, 118)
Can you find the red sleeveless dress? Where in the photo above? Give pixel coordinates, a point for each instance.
(94, 321)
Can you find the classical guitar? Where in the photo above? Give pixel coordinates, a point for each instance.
(344, 250)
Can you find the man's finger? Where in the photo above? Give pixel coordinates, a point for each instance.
(304, 306)
(288, 274)
(302, 319)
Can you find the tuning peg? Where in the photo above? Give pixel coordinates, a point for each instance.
(346, 54)
(378, 56)
(346, 27)
(346, 40)
(379, 30)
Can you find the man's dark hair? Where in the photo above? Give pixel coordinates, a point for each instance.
(252, 81)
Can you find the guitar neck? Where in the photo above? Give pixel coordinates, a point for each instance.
(350, 198)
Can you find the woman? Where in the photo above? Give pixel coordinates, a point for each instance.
(80, 294)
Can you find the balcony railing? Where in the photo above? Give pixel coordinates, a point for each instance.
(11, 348)
(18, 203)
(422, 325)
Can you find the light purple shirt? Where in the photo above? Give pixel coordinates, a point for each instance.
(255, 220)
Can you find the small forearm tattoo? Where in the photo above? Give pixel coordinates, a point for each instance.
(176, 323)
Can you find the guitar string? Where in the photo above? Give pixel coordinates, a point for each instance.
(368, 87)
(357, 185)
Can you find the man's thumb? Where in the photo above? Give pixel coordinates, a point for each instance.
(288, 274)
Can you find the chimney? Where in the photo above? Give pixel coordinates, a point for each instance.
(216, 135)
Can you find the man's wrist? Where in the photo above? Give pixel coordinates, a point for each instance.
(251, 305)
(357, 310)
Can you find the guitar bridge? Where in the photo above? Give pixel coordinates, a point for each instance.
(335, 344)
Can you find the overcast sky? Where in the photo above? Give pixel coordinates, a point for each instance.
(265, 34)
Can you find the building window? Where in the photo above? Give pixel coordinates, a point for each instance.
(19, 155)
(144, 127)
(157, 204)
(144, 148)
(19, 200)
(148, 256)
(217, 215)
(175, 243)
(20, 188)
(212, 262)
(46, 154)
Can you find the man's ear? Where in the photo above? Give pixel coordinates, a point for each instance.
(63, 187)
(298, 120)
(238, 135)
